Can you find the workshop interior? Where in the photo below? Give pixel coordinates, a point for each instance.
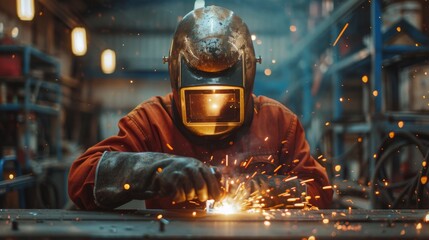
(354, 71)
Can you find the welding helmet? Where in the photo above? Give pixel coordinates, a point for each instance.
(212, 69)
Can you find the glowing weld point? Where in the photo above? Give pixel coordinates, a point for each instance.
(223, 207)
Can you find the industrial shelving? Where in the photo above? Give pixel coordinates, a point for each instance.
(33, 98)
(377, 59)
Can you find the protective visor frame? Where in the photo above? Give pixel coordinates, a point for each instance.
(187, 91)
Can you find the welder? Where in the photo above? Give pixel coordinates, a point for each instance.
(172, 150)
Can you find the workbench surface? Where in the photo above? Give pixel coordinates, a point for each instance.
(197, 224)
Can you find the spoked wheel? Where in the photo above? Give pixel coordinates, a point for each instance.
(400, 174)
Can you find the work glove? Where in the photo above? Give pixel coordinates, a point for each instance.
(266, 191)
(124, 176)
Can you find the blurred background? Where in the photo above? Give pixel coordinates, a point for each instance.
(354, 71)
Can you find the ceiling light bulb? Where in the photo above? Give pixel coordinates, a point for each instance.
(25, 9)
(108, 61)
(79, 41)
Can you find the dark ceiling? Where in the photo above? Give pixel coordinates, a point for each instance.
(130, 16)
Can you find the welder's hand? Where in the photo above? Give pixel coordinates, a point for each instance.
(124, 176)
(185, 178)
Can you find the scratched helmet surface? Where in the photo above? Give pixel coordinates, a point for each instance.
(212, 53)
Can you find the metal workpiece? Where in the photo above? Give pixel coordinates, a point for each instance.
(198, 224)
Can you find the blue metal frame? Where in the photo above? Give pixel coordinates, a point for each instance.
(30, 58)
(307, 98)
(18, 173)
(376, 55)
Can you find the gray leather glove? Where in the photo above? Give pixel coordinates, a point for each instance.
(123, 176)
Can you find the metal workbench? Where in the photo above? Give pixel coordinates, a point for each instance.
(190, 224)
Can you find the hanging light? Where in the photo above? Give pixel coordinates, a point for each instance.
(199, 4)
(108, 61)
(79, 41)
(25, 9)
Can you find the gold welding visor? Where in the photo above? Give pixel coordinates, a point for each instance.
(212, 110)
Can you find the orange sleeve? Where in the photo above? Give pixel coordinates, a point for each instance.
(307, 168)
(83, 170)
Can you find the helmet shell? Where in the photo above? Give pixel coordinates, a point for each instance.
(212, 40)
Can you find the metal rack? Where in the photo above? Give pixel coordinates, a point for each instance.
(374, 121)
(40, 96)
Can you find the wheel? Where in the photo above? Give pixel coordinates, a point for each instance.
(400, 174)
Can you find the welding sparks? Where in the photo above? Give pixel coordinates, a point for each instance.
(306, 181)
(338, 168)
(418, 226)
(424, 180)
(291, 178)
(169, 147)
(341, 33)
(250, 160)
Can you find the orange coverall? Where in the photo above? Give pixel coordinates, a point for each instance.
(275, 137)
